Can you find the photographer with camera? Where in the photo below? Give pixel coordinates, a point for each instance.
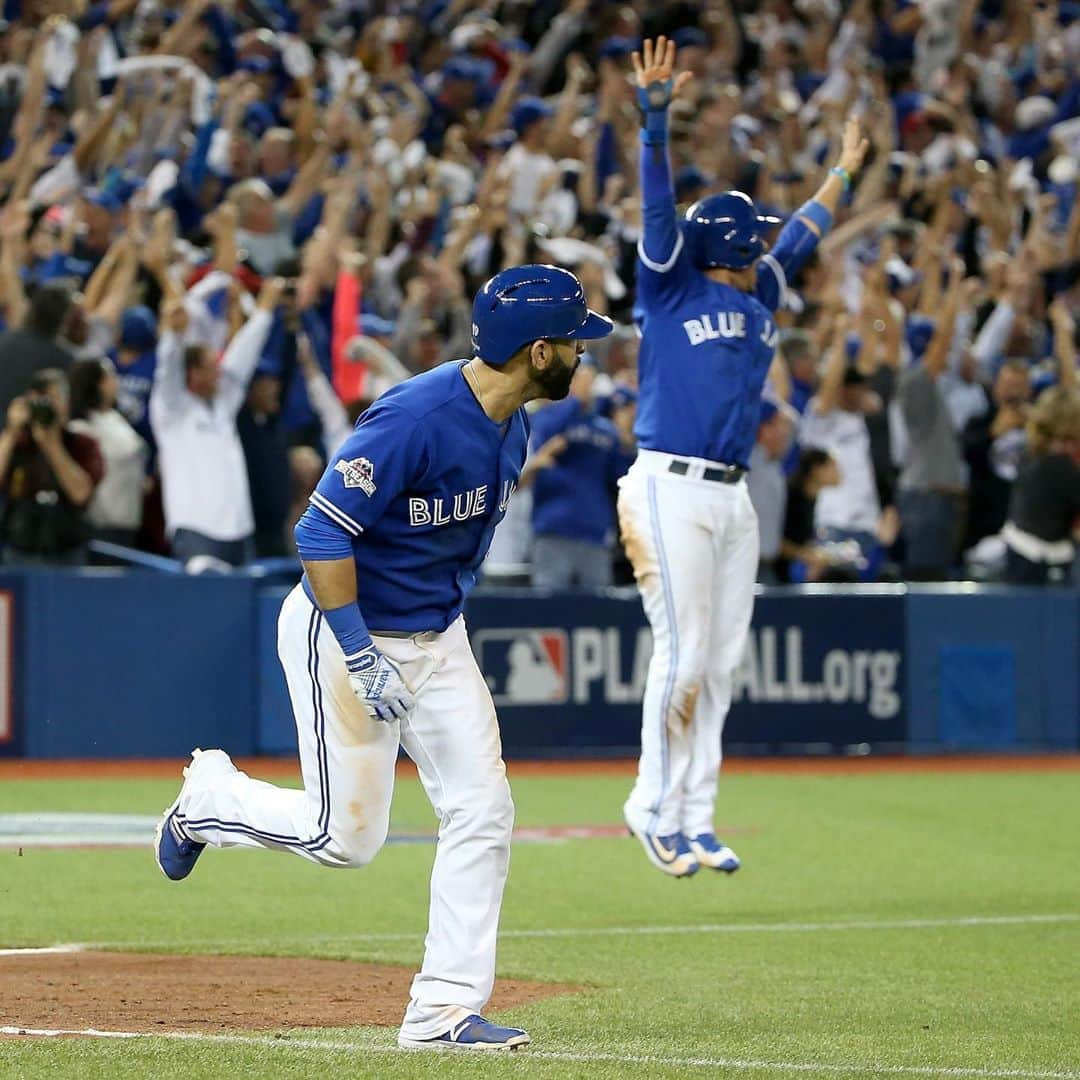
(49, 473)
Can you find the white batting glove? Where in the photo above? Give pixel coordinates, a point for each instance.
(377, 682)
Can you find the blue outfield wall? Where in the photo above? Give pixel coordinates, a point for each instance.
(116, 664)
(135, 664)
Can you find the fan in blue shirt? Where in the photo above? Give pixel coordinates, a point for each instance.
(577, 456)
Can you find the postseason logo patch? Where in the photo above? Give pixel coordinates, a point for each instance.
(358, 473)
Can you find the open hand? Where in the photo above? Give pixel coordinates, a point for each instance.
(655, 64)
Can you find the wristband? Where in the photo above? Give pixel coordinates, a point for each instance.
(815, 212)
(838, 170)
(653, 101)
(348, 627)
(654, 128)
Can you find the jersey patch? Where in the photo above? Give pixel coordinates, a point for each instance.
(358, 473)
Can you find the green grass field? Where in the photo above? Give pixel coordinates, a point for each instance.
(883, 924)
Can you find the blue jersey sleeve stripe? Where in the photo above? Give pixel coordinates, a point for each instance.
(333, 511)
(664, 267)
(781, 277)
(336, 513)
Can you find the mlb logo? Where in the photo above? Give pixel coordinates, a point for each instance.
(525, 666)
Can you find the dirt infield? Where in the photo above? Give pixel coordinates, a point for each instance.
(147, 992)
(287, 769)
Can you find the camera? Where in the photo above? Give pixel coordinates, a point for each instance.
(42, 412)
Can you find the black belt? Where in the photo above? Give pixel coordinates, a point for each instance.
(725, 474)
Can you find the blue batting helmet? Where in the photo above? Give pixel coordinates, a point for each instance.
(725, 230)
(531, 303)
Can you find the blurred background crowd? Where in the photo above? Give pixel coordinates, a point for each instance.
(227, 225)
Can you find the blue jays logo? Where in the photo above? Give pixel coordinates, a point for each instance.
(525, 666)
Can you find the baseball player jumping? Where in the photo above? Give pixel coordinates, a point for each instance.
(375, 650)
(706, 289)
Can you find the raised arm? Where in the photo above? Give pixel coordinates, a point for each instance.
(936, 357)
(1061, 318)
(167, 395)
(14, 225)
(307, 180)
(832, 379)
(242, 356)
(498, 115)
(802, 234)
(110, 284)
(180, 39)
(654, 69)
(324, 400)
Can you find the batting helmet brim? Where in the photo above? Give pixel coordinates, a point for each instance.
(595, 326)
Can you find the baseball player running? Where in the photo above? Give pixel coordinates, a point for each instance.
(376, 653)
(706, 290)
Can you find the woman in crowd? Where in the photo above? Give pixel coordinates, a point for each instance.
(1044, 514)
(115, 511)
(801, 557)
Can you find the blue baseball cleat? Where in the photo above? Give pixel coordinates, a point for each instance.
(175, 853)
(472, 1033)
(175, 856)
(671, 854)
(714, 853)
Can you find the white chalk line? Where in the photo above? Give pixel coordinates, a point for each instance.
(624, 931)
(740, 1064)
(42, 950)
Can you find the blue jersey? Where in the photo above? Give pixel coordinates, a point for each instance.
(136, 380)
(705, 347)
(573, 498)
(420, 486)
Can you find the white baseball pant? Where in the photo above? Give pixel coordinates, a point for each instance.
(693, 544)
(342, 815)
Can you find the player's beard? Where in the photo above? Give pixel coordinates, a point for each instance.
(555, 379)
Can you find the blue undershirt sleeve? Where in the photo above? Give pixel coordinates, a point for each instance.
(661, 240)
(795, 244)
(321, 539)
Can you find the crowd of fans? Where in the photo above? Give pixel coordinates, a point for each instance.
(227, 225)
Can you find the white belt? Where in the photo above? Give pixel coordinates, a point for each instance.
(1035, 549)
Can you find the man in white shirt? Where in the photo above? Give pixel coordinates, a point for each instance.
(835, 421)
(528, 165)
(193, 409)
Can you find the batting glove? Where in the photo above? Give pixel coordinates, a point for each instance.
(376, 681)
